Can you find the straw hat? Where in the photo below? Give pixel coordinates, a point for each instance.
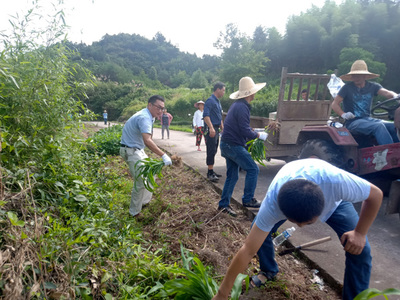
(359, 67)
(247, 87)
(197, 103)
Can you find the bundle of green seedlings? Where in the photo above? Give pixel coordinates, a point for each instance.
(257, 150)
(147, 169)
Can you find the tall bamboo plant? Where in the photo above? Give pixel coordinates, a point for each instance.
(39, 91)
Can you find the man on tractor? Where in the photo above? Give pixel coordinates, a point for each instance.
(357, 96)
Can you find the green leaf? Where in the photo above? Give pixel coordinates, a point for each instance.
(108, 296)
(59, 184)
(80, 198)
(391, 291)
(50, 286)
(14, 219)
(371, 293)
(237, 286)
(106, 276)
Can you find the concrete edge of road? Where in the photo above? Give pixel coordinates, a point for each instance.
(301, 255)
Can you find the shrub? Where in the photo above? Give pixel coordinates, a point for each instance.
(107, 140)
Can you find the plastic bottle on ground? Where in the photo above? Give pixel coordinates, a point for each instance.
(283, 236)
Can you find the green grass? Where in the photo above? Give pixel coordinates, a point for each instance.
(184, 128)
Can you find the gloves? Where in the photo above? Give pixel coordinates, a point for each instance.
(263, 136)
(348, 115)
(167, 161)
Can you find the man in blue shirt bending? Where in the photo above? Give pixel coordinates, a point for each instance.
(237, 131)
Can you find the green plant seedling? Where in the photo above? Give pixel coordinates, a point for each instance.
(372, 293)
(148, 168)
(257, 150)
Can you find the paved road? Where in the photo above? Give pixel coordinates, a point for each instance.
(384, 235)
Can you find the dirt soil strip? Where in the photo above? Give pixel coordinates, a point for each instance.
(190, 216)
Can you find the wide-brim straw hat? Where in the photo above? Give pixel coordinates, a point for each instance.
(197, 103)
(247, 87)
(359, 67)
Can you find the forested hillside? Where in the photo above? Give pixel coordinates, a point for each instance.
(317, 41)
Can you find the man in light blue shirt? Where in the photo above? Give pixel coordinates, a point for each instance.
(303, 191)
(136, 135)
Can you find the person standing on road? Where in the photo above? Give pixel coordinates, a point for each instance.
(165, 119)
(357, 97)
(237, 132)
(198, 122)
(303, 191)
(105, 116)
(136, 135)
(212, 116)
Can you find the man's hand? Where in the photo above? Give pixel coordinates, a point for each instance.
(219, 297)
(212, 132)
(354, 242)
(167, 161)
(263, 136)
(348, 115)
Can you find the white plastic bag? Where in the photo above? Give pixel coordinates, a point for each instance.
(334, 85)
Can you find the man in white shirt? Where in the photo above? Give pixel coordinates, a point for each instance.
(303, 191)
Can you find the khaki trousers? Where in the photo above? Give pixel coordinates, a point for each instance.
(140, 195)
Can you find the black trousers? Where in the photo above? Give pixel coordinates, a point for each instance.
(212, 144)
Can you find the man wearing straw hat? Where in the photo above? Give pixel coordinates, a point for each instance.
(357, 97)
(237, 131)
(198, 122)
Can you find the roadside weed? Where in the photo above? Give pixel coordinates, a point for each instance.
(372, 293)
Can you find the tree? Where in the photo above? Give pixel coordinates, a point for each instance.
(179, 79)
(260, 40)
(349, 55)
(153, 73)
(239, 58)
(39, 93)
(304, 35)
(198, 80)
(159, 38)
(274, 50)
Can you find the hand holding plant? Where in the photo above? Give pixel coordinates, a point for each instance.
(148, 168)
(257, 148)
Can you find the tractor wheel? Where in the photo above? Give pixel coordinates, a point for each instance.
(324, 150)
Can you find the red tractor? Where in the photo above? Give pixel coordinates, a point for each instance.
(301, 130)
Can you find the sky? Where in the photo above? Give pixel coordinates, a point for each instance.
(192, 26)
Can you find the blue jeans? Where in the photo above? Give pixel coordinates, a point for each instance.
(358, 267)
(238, 156)
(383, 131)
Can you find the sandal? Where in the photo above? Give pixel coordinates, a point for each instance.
(261, 279)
